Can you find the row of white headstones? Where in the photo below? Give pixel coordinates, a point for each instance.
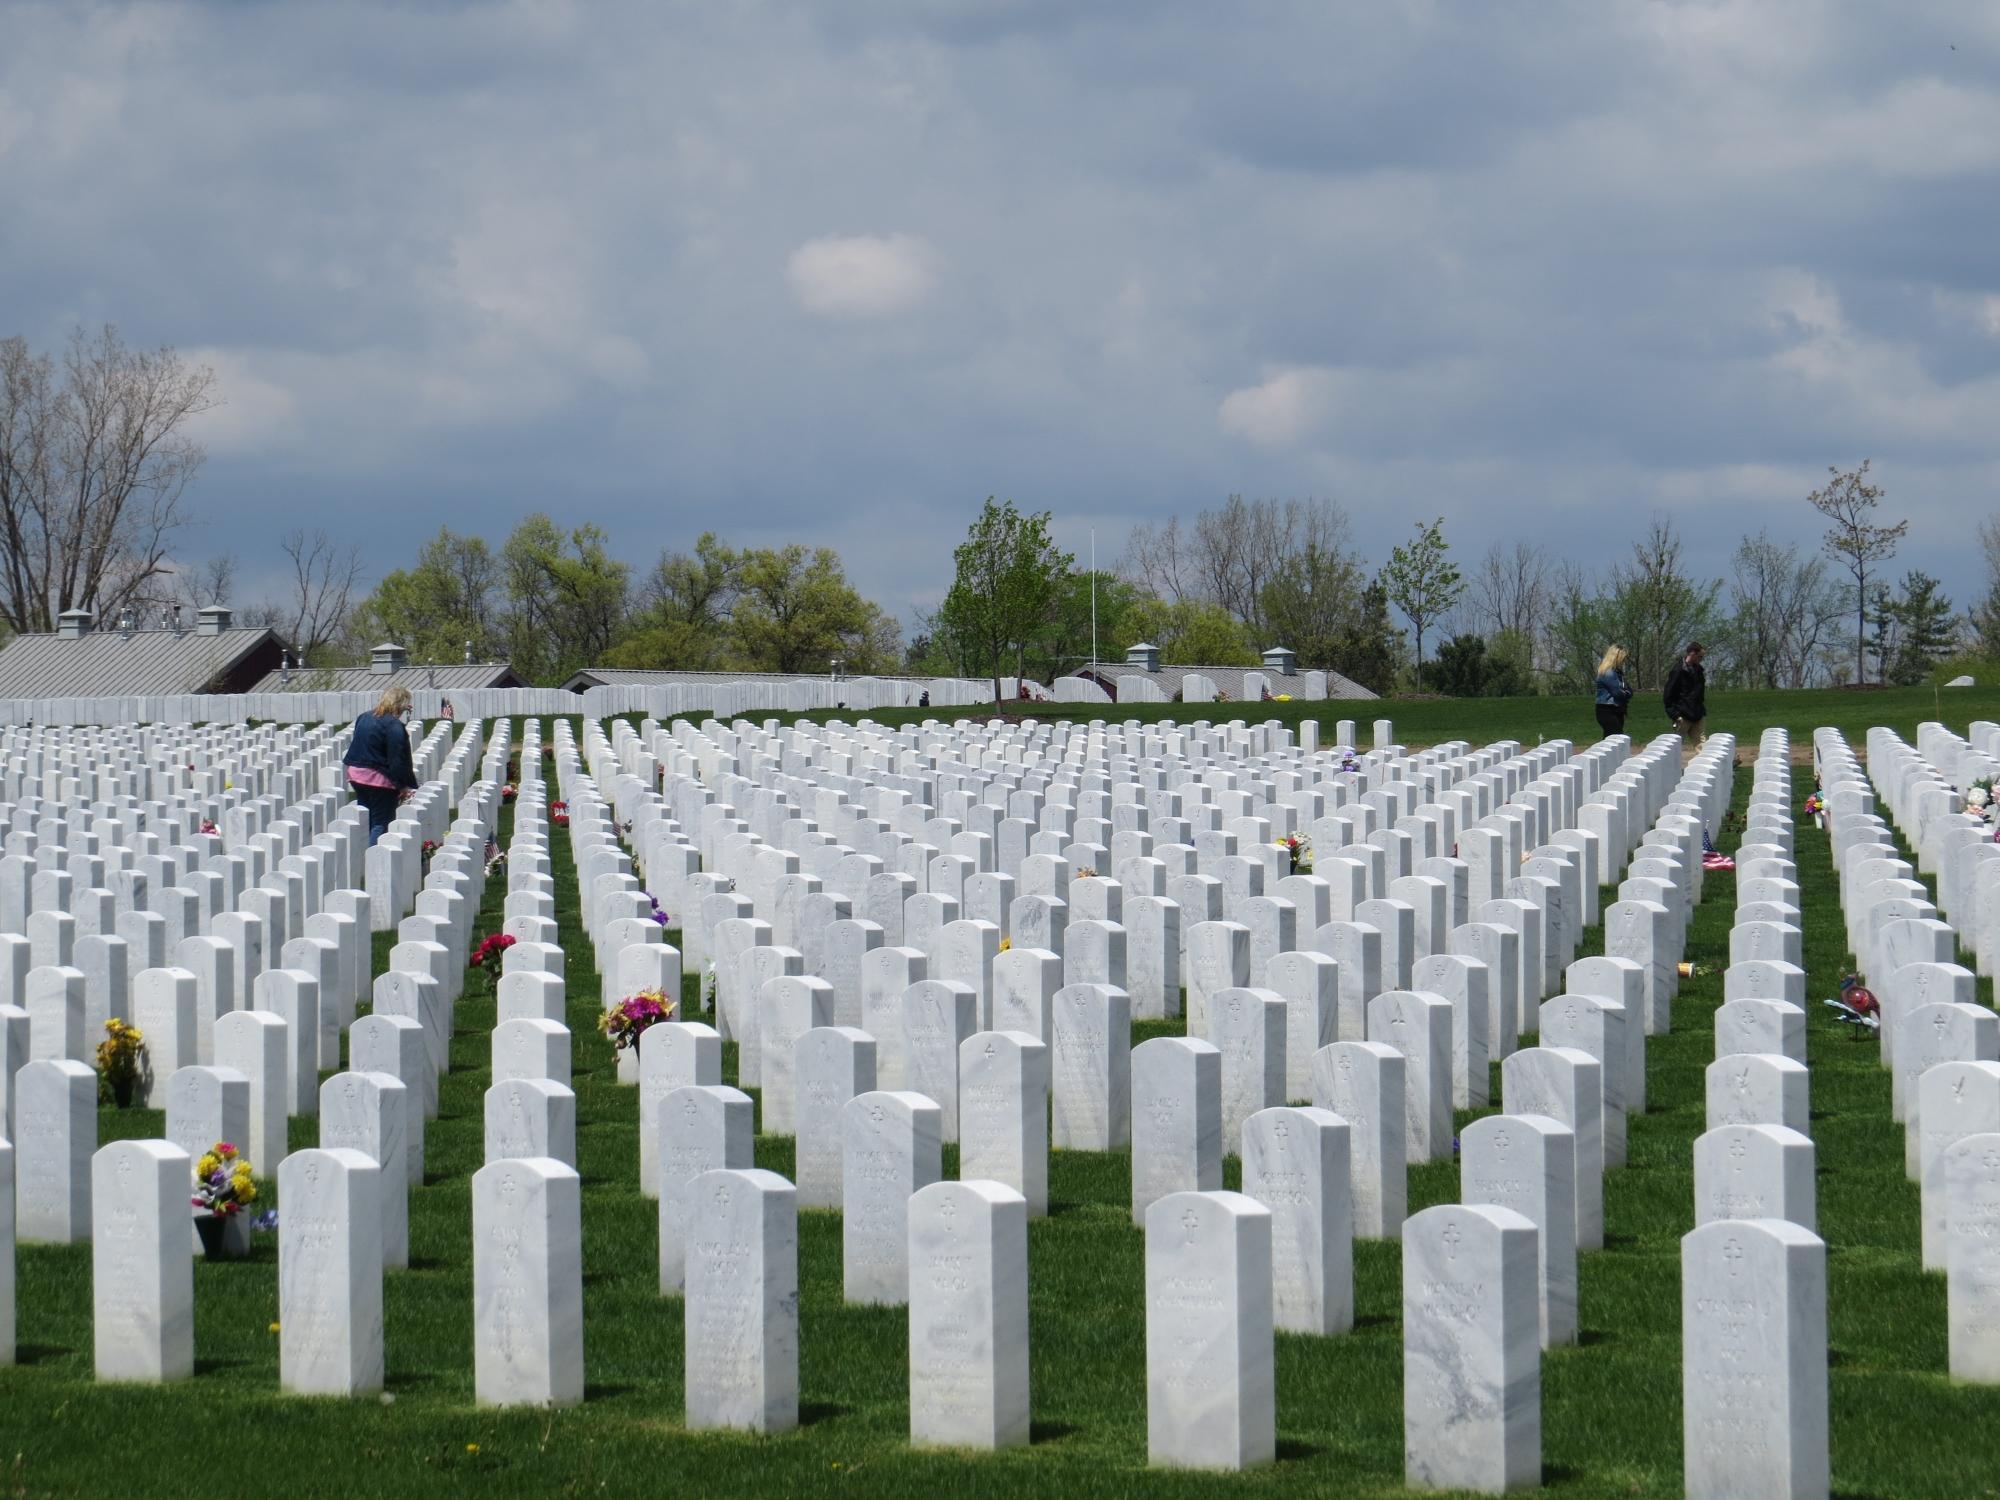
(1307, 1167)
(233, 1048)
(1196, 1096)
(1941, 1046)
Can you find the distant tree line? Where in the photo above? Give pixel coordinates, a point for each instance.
(97, 456)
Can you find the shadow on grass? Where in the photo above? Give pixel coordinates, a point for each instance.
(1050, 1432)
(812, 1413)
(37, 1354)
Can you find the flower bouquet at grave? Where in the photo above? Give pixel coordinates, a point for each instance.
(1349, 763)
(224, 1187)
(495, 856)
(208, 826)
(121, 1062)
(509, 792)
(1816, 807)
(1298, 851)
(630, 1018)
(1006, 945)
(1084, 875)
(708, 986)
(487, 956)
(659, 913)
(1689, 970)
(1979, 800)
(1856, 1007)
(559, 813)
(430, 848)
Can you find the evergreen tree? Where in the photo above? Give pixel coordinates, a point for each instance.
(1929, 631)
(1367, 649)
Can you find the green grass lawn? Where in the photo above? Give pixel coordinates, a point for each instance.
(1611, 1405)
(1431, 721)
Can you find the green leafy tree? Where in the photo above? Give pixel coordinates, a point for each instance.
(1192, 633)
(796, 612)
(452, 595)
(1578, 631)
(1655, 608)
(683, 614)
(1005, 591)
(1312, 601)
(1067, 642)
(566, 598)
(1424, 583)
(1856, 540)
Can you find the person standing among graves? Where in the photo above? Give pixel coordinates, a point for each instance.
(1686, 696)
(1613, 694)
(378, 761)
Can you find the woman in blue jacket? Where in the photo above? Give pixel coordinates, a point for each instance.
(378, 761)
(1612, 693)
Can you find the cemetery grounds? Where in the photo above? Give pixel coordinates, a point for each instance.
(1611, 1407)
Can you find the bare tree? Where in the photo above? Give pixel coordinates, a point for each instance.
(1510, 590)
(1156, 559)
(94, 460)
(1239, 548)
(1783, 609)
(196, 585)
(314, 613)
(1985, 615)
(1848, 500)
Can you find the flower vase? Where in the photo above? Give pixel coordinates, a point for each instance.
(628, 1065)
(223, 1236)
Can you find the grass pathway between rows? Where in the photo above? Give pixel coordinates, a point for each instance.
(1611, 1405)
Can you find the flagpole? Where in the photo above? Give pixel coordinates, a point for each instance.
(1093, 596)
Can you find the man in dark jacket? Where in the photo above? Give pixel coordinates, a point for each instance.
(1687, 695)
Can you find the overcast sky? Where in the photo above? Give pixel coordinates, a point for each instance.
(833, 272)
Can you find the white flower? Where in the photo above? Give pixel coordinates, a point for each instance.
(1977, 796)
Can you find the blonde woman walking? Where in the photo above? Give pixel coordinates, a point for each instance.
(1613, 694)
(378, 761)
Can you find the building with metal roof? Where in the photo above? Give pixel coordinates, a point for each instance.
(79, 660)
(1141, 678)
(389, 665)
(592, 677)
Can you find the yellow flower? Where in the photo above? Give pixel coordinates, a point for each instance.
(207, 1165)
(472, 1447)
(1006, 944)
(274, 1328)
